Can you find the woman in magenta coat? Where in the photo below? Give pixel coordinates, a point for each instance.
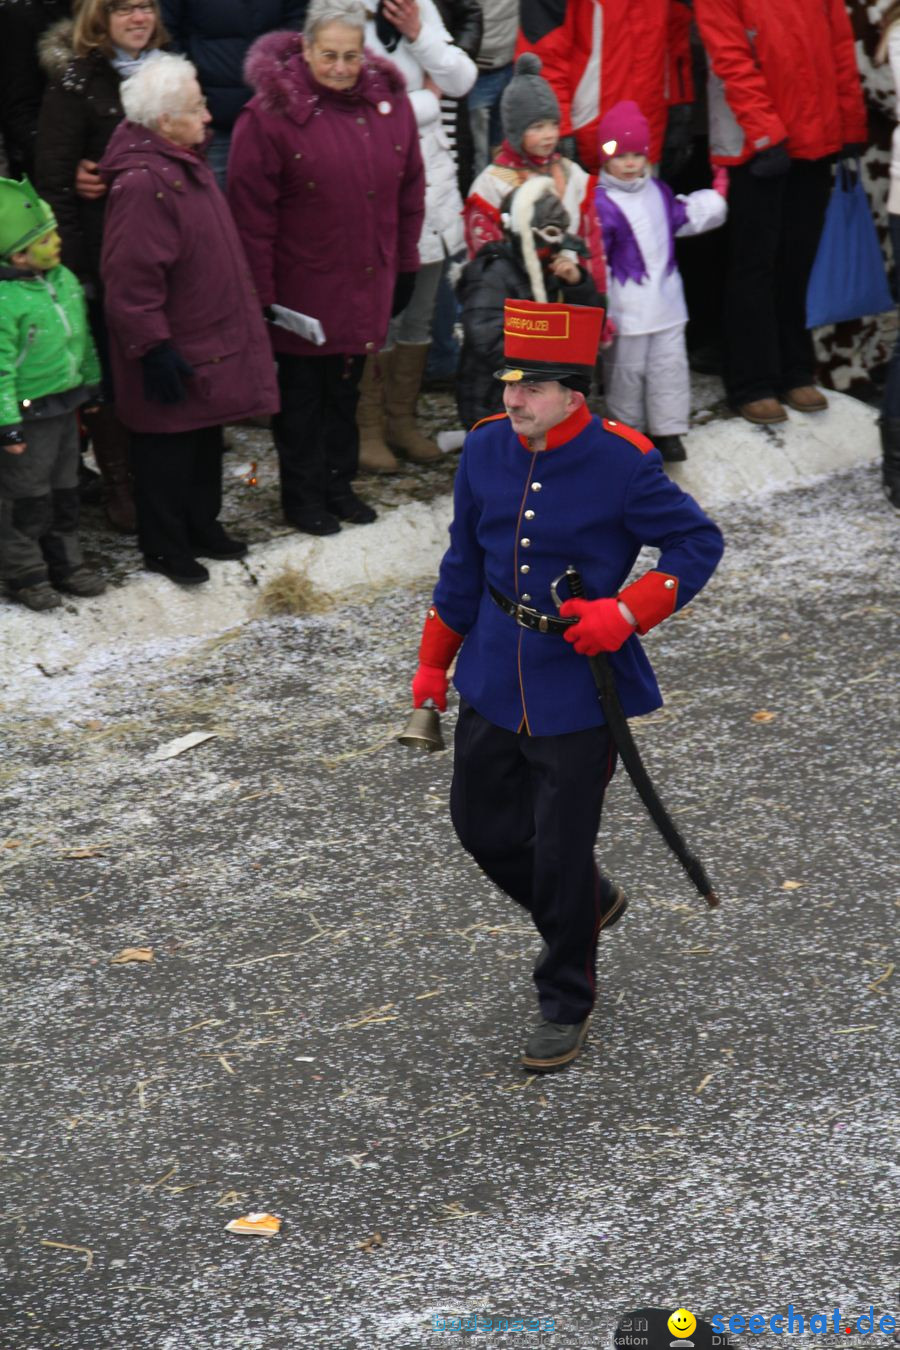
(188, 344)
(326, 184)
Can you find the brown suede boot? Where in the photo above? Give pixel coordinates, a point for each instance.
(374, 456)
(110, 442)
(404, 380)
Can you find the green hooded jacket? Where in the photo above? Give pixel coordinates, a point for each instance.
(45, 343)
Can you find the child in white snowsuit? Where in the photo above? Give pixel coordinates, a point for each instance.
(646, 375)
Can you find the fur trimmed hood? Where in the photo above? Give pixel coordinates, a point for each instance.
(55, 50)
(278, 75)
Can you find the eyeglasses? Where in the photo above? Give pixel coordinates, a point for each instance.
(123, 9)
(348, 58)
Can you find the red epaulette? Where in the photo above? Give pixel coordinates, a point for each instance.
(637, 438)
(494, 417)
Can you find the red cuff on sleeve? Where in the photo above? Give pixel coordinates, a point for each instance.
(651, 599)
(439, 643)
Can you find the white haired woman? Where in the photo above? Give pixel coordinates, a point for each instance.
(326, 184)
(187, 341)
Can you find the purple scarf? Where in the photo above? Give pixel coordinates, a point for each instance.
(626, 262)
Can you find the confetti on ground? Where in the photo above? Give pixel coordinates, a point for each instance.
(129, 954)
(371, 1243)
(791, 885)
(763, 716)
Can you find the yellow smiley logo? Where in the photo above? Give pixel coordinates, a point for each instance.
(682, 1323)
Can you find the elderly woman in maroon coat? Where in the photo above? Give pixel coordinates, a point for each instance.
(188, 344)
(326, 184)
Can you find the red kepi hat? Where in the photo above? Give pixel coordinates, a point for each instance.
(549, 342)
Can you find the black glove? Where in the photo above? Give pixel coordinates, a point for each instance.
(387, 34)
(853, 150)
(679, 142)
(403, 289)
(164, 374)
(771, 162)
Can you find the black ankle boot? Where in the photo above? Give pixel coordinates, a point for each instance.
(889, 428)
(670, 447)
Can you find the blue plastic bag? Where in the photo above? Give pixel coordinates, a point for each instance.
(848, 278)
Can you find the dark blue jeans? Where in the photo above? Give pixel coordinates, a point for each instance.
(891, 406)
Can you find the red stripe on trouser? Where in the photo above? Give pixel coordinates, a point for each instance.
(590, 967)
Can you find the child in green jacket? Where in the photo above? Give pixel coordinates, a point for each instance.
(48, 368)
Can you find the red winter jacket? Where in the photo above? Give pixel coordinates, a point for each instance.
(597, 52)
(781, 70)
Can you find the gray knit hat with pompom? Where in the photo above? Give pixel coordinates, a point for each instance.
(526, 99)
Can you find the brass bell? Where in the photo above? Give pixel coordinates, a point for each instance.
(423, 730)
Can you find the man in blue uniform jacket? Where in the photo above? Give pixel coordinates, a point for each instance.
(538, 488)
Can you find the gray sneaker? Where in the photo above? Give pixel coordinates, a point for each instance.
(553, 1045)
(39, 596)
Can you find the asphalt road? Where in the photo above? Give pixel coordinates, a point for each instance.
(330, 1026)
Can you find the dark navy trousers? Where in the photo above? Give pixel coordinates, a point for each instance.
(528, 810)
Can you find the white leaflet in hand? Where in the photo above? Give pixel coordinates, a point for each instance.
(302, 324)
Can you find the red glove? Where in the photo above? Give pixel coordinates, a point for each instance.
(437, 649)
(430, 682)
(601, 625)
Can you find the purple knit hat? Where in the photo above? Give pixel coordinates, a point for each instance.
(623, 130)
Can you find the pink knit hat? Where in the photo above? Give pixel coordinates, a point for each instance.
(623, 130)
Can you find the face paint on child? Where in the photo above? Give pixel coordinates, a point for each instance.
(44, 253)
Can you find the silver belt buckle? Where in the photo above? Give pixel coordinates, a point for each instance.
(520, 610)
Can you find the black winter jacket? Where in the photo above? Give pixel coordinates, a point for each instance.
(464, 21)
(216, 34)
(495, 274)
(80, 110)
(21, 79)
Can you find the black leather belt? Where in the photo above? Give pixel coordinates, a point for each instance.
(529, 618)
